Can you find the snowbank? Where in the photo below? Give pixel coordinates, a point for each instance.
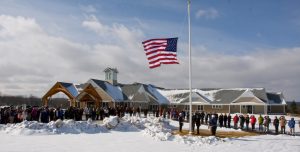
(157, 128)
(53, 127)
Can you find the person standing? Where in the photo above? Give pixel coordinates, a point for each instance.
(276, 124)
(213, 125)
(180, 120)
(252, 121)
(206, 118)
(229, 121)
(242, 121)
(198, 122)
(193, 122)
(225, 120)
(221, 119)
(260, 123)
(247, 119)
(292, 126)
(266, 124)
(282, 122)
(235, 121)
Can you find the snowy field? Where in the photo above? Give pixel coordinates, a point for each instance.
(129, 134)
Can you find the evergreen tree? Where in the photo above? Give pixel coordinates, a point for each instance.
(293, 107)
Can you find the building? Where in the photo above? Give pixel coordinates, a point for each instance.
(234, 100)
(109, 92)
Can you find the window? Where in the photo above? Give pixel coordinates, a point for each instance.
(216, 106)
(200, 107)
(244, 107)
(186, 107)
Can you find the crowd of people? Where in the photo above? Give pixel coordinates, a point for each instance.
(243, 121)
(16, 114)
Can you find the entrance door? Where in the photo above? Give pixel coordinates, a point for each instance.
(90, 104)
(249, 109)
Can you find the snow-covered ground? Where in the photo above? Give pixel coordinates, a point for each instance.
(128, 134)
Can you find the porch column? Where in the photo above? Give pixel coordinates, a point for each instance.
(284, 109)
(240, 108)
(229, 109)
(265, 109)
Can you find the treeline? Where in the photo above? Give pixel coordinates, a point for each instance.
(32, 101)
(293, 107)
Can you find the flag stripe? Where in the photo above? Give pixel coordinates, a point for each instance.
(161, 51)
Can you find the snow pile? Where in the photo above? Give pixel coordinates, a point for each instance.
(111, 122)
(157, 128)
(53, 127)
(161, 130)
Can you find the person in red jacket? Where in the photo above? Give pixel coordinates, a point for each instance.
(253, 122)
(235, 121)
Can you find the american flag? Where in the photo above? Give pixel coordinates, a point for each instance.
(161, 51)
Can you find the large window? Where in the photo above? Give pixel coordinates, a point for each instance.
(200, 108)
(216, 106)
(187, 107)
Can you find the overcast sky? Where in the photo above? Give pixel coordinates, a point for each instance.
(250, 43)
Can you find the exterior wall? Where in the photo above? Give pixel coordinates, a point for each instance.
(277, 109)
(234, 108)
(206, 108)
(259, 109)
(222, 109)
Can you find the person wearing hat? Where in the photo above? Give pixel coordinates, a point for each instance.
(180, 120)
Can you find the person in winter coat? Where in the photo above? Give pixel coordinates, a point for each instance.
(206, 118)
(252, 121)
(180, 120)
(229, 121)
(235, 121)
(198, 122)
(276, 124)
(266, 124)
(247, 120)
(213, 125)
(260, 123)
(193, 122)
(221, 117)
(292, 126)
(242, 121)
(225, 120)
(202, 117)
(282, 122)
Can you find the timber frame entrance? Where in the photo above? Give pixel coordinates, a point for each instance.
(67, 88)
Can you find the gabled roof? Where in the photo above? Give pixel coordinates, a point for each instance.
(248, 97)
(156, 94)
(143, 92)
(275, 98)
(135, 92)
(114, 91)
(227, 96)
(70, 87)
(182, 96)
(221, 96)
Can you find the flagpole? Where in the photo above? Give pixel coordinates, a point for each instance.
(190, 68)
